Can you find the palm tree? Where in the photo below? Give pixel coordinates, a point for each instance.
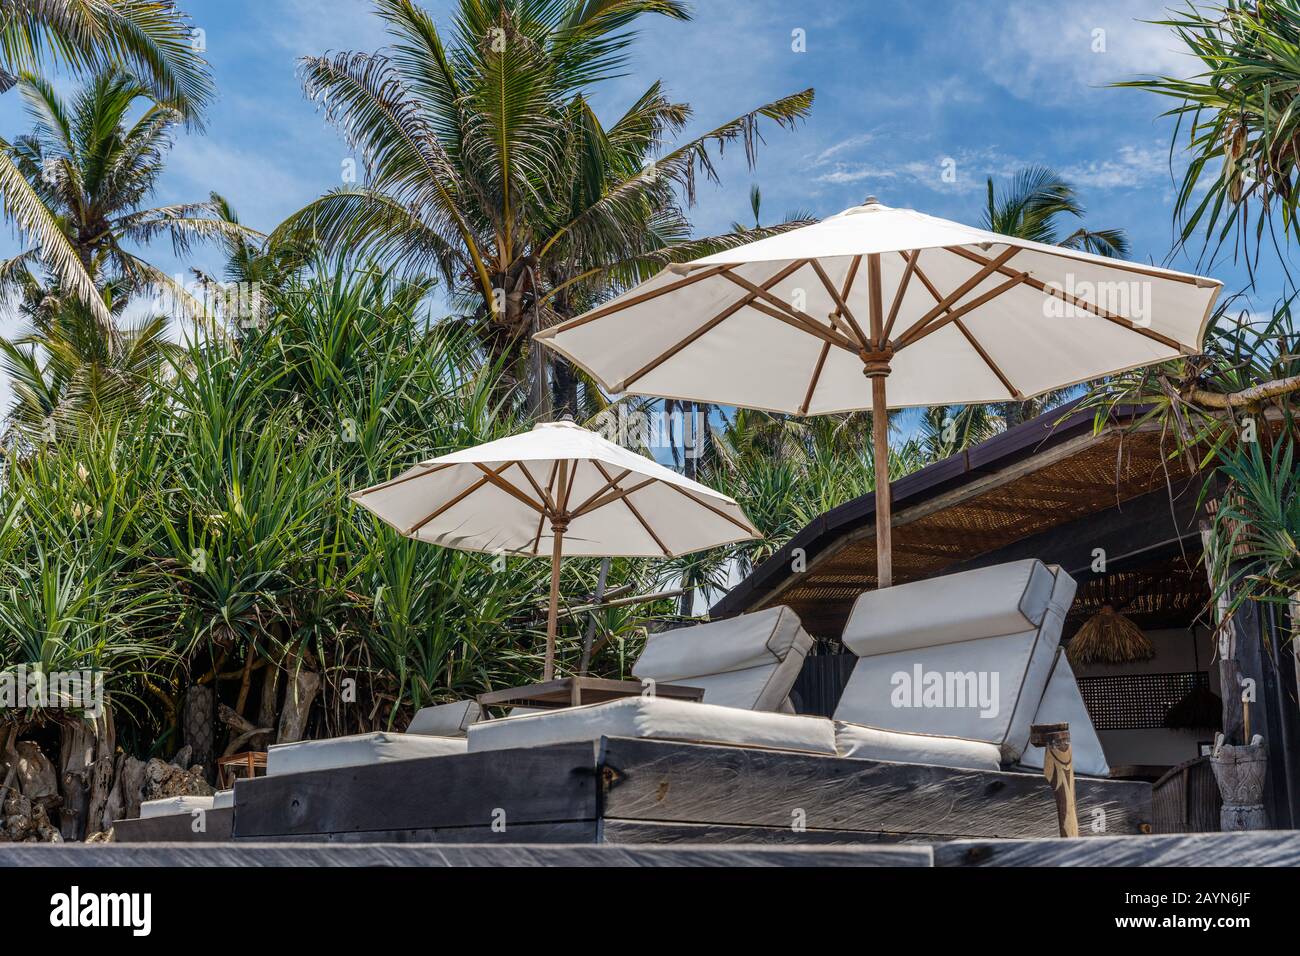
(65, 376)
(150, 38)
(487, 164)
(1032, 207)
(92, 174)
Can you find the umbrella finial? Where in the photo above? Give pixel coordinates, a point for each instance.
(871, 201)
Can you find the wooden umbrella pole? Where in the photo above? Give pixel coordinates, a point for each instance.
(880, 443)
(557, 549)
(875, 366)
(559, 518)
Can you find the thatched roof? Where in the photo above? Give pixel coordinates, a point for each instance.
(1007, 494)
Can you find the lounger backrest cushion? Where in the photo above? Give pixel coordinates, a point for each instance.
(748, 661)
(445, 720)
(1063, 704)
(977, 675)
(988, 602)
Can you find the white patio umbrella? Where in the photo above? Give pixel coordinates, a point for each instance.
(560, 490)
(878, 308)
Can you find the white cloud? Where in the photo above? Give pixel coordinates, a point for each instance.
(963, 171)
(1049, 51)
(1132, 166)
(852, 142)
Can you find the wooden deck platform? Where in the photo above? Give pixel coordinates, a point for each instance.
(1271, 848)
(640, 791)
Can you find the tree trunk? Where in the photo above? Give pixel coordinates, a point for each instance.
(77, 753)
(566, 387)
(197, 724)
(266, 711)
(298, 698)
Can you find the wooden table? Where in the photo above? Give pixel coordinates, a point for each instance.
(251, 761)
(573, 691)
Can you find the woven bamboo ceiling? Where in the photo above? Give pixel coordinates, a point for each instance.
(1165, 593)
(1101, 473)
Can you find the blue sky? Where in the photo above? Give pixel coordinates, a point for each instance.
(904, 91)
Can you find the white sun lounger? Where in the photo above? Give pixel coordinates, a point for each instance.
(952, 671)
(433, 732)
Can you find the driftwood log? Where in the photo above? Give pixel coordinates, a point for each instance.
(299, 695)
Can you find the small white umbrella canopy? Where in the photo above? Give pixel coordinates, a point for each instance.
(878, 308)
(557, 490)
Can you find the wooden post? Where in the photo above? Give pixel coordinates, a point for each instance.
(1295, 637)
(1234, 717)
(1058, 768)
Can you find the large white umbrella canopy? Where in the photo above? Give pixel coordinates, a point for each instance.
(556, 490)
(878, 308)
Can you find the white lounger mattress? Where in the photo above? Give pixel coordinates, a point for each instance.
(872, 743)
(173, 806)
(358, 750)
(657, 718)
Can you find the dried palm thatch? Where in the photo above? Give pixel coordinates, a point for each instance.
(1108, 637)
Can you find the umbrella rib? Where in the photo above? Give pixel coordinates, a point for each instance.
(541, 519)
(568, 478)
(993, 367)
(499, 482)
(454, 501)
(403, 478)
(707, 326)
(816, 376)
(717, 511)
(795, 323)
(631, 301)
(793, 316)
(912, 259)
(545, 498)
(954, 314)
(600, 491)
(841, 306)
(1096, 310)
(637, 514)
(590, 506)
(952, 297)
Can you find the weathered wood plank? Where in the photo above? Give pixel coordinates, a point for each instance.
(532, 785)
(1254, 848)
(651, 832)
(176, 828)
(698, 783)
(432, 855)
(570, 832)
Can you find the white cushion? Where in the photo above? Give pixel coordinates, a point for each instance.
(984, 689)
(445, 720)
(749, 661)
(1063, 704)
(356, 751)
(987, 602)
(172, 806)
(659, 718)
(222, 799)
(872, 743)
